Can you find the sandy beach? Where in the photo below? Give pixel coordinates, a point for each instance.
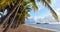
(25, 28)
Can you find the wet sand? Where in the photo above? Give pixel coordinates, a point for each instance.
(25, 28)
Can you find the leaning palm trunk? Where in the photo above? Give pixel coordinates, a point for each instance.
(9, 26)
(11, 21)
(52, 11)
(14, 9)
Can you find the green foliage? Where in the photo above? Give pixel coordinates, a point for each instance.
(24, 8)
(34, 4)
(5, 3)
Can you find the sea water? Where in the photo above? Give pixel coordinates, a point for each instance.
(49, 26)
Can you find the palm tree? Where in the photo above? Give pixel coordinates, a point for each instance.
(47, 4)
(23, 15)
(6, 3)
(19, 14)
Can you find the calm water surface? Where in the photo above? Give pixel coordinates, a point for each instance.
(49, 26)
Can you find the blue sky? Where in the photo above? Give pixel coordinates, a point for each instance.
(43, 11)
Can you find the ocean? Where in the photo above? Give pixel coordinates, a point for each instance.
(49, 26)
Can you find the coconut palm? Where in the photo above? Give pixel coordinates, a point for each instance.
(24, 15)
(18, 15)
(47, 4)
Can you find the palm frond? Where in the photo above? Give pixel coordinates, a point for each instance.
(47, 4)
(34, 5)
(5, 3)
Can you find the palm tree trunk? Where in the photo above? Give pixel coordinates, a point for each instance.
(21, 13)
(13, 19)
(52, 11)
(13, 10)
(9, 25)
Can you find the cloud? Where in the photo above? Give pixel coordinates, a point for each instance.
(58, 11)
(44, 19)
(53, 2)
(35, 18)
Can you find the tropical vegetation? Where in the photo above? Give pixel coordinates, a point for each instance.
(18, 11)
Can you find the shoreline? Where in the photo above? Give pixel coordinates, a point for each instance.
(28, 28)
(42, 28)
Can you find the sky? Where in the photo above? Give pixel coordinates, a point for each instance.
(4, 13)
(44, 11)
